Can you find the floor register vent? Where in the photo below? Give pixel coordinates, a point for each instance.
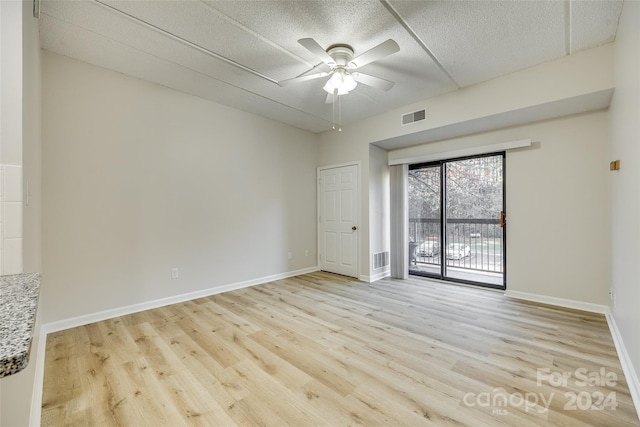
(416, 116)
(381, 259)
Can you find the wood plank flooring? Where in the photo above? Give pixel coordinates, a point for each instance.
(323, 350)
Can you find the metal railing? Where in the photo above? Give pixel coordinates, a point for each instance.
(478, 243)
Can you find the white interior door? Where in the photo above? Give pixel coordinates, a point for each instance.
(338, 220)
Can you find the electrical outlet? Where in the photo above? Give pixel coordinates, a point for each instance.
(306, 252)
(289, 255)
(175, 273)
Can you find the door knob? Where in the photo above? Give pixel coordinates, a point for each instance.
(354, 228)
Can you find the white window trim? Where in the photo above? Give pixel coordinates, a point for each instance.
(464, 152)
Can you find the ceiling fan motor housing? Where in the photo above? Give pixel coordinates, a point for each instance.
(341, 54)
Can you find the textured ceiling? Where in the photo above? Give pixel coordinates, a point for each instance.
(236, 52)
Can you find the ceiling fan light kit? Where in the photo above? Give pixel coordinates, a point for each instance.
(341, 81)
(342, 76)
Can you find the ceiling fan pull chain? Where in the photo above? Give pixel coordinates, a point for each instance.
(339, 114)
(333, 113)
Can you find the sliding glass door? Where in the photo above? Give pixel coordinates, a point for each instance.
(456, 220)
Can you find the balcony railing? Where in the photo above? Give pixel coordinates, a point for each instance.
(483, 237)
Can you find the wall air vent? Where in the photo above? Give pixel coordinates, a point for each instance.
(416, 116)
(381, 259)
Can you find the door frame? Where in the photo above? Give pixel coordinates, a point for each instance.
(443, 227)
(358, 210)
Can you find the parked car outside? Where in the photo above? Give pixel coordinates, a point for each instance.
(458, 251)
(412, 252)
(428, 249)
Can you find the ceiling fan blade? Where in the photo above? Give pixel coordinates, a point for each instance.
(312, 46)
(382, 50)
(303, 78)
(375, 82)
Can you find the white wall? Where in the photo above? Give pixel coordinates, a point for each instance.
(454, 112)
(138, 179)
(625, 195)
(557, 205)
(31, 141)
(11, 134)
(379, 206)
(17, 389)
(11, 71)
(537, 86)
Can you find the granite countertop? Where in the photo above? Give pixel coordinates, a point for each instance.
(18, 306)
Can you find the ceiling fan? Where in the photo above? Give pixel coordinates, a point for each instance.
(343, 74)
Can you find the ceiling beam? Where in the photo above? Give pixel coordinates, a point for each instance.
(417, 38)
(187, 42)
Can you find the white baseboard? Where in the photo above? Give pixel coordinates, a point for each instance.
(375, 277)
(633, 382)
(47, 328)
(625, 360)
(560, 302)
(135, 308)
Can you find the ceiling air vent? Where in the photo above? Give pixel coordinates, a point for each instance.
(416, 116)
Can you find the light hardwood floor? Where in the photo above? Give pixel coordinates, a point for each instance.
(324, 350)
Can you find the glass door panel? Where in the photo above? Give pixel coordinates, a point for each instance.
(425, 223)
(474, 236)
